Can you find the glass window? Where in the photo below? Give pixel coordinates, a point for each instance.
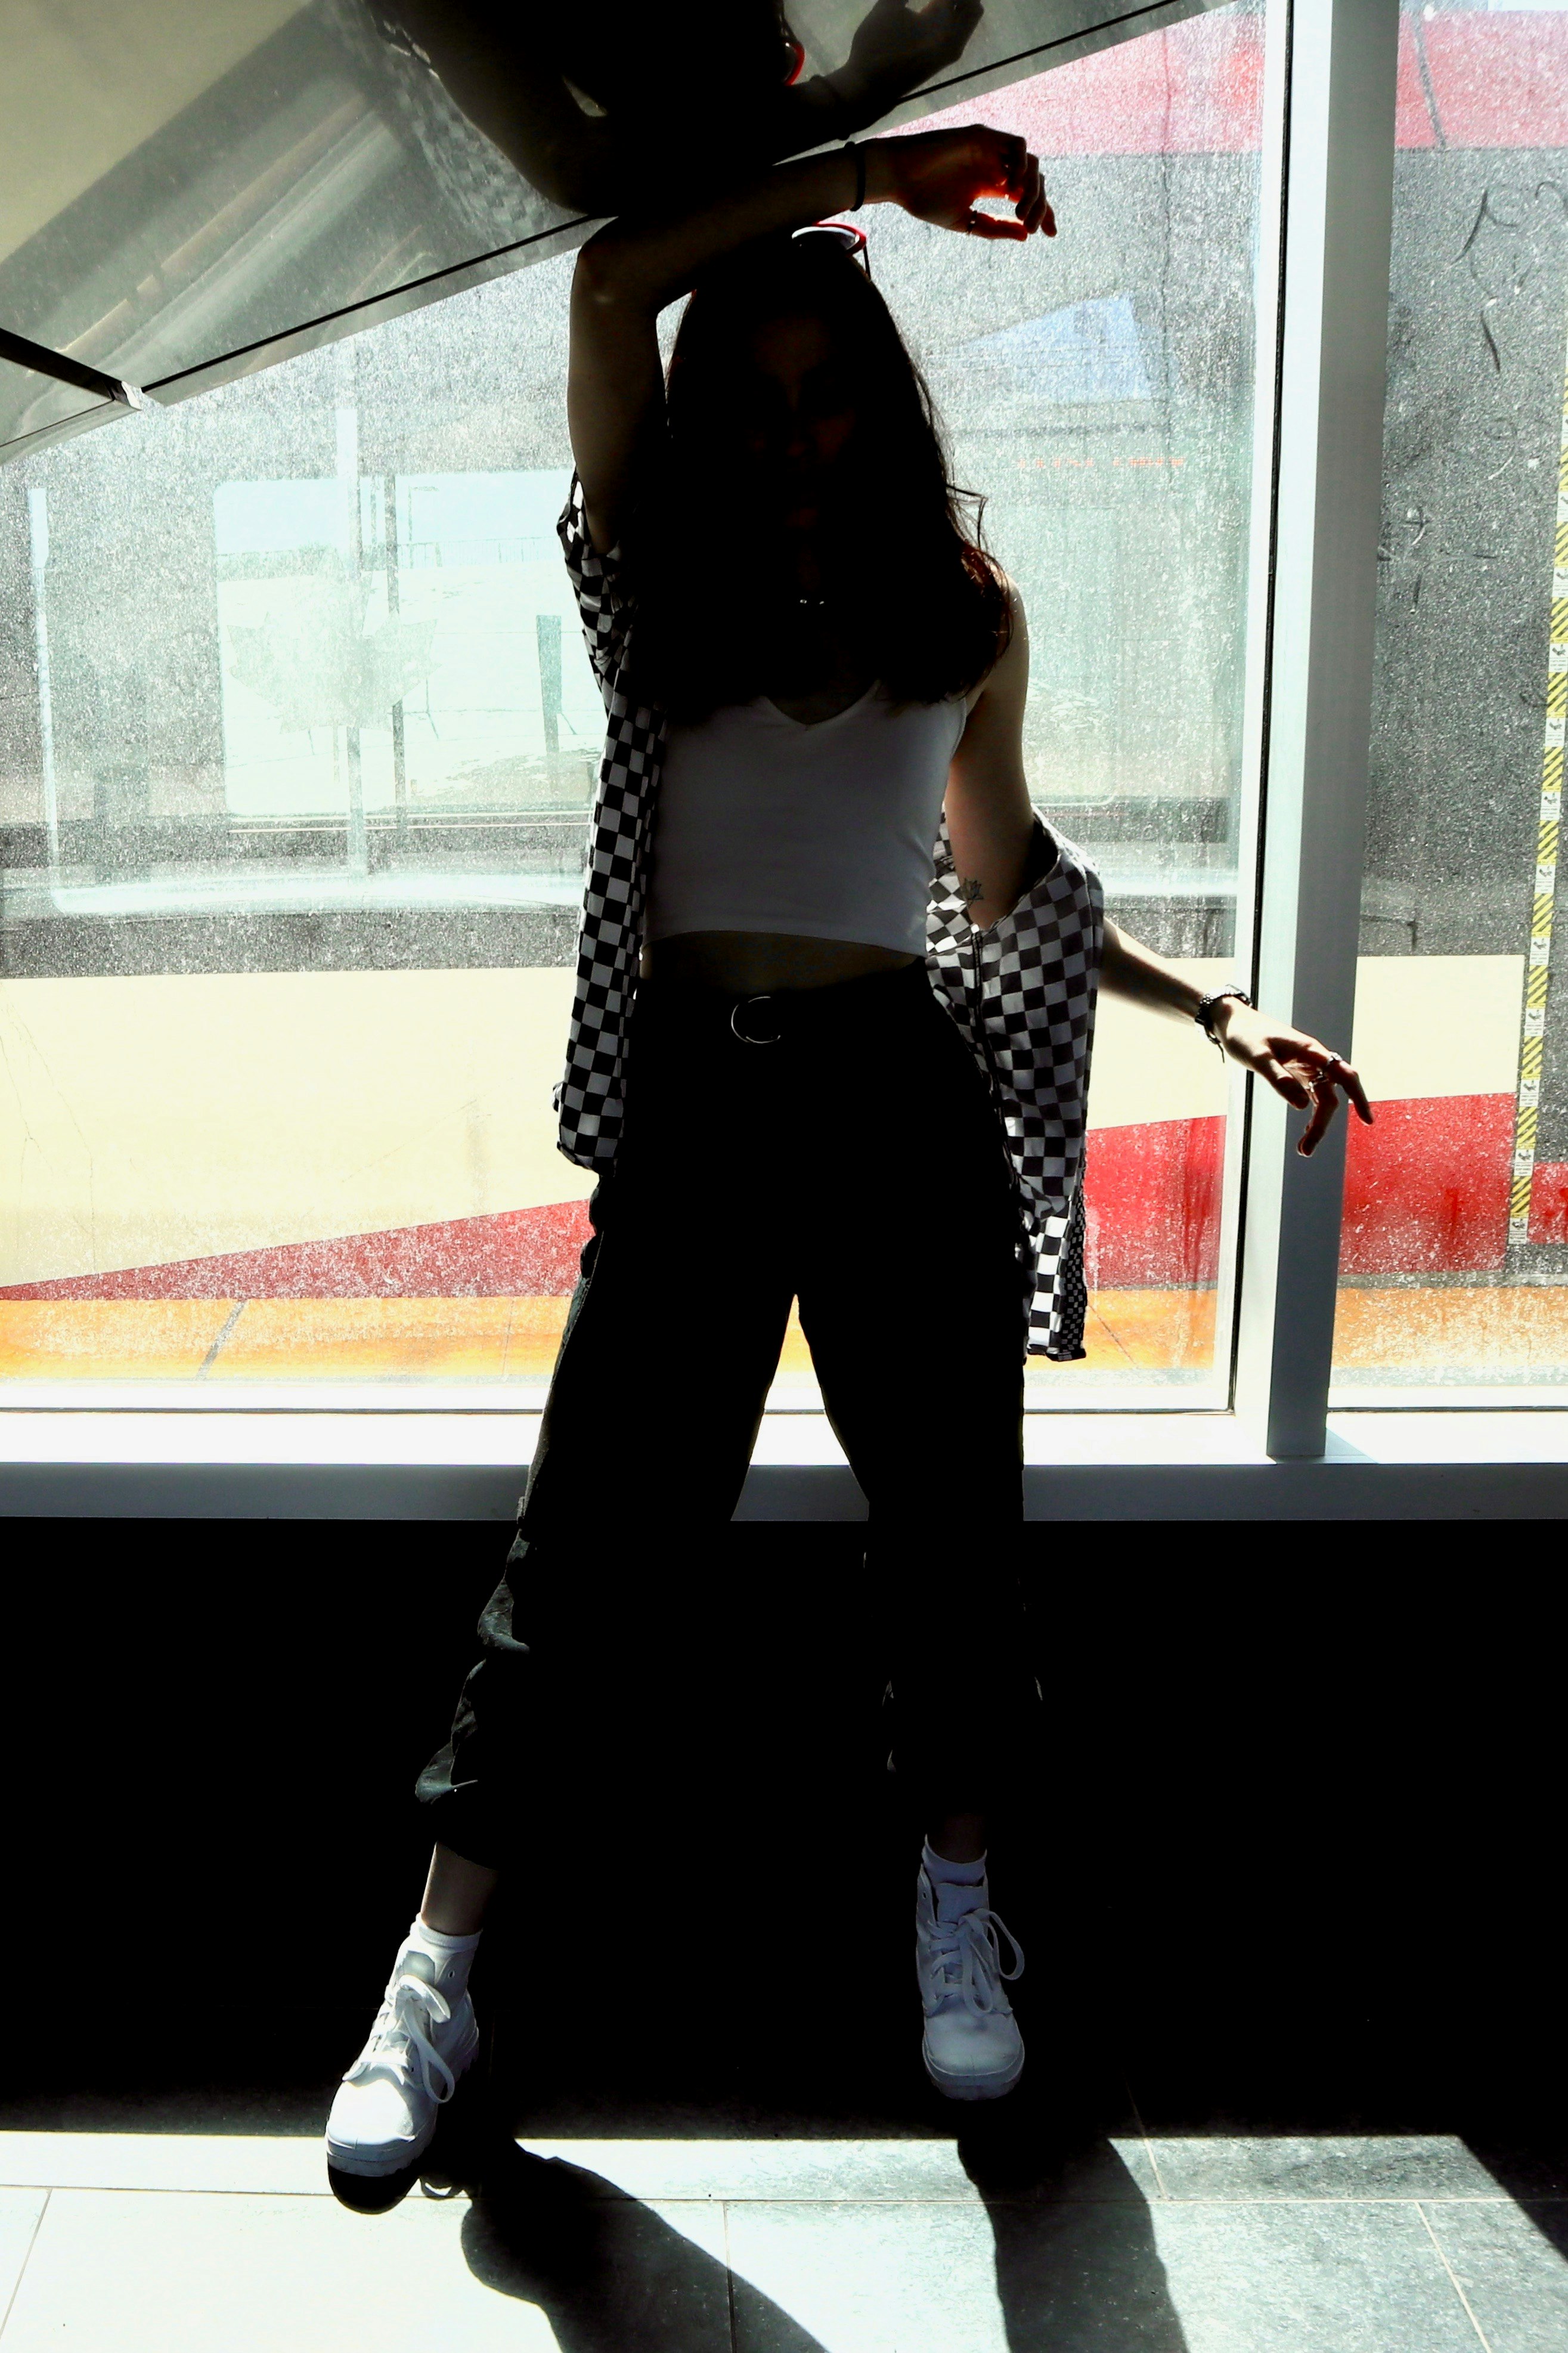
(1099, 390)
(297, 739)
(1455, 1259)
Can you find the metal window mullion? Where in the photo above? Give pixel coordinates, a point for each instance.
(1333, 326)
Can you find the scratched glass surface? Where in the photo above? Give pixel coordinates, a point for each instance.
(296, 742)
(1455, 1264)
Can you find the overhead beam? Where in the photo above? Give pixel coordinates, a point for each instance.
(41, 360)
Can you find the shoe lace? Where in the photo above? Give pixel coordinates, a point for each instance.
(400, 2037)
(969, 1956)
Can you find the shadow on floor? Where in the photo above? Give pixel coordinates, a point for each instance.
(608, 2271)
(1076, 2264)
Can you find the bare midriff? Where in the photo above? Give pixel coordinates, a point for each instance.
(754, 963)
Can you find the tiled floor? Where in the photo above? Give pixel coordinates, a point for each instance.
(1498, 1332)
(148, 2243)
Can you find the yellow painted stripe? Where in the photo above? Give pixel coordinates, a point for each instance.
(1532, 1041)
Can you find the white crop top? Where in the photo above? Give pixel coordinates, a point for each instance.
(769, 823)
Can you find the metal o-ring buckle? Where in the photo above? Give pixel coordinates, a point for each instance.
(747, 1037)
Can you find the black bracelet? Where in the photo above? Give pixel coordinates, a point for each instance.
(860, 154)
(1204, 1017)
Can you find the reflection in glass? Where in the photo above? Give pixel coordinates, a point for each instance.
(178, 191)
(39, 405)
(290, 900)
(1455, 1259)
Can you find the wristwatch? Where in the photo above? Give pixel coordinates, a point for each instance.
(1204, 1016)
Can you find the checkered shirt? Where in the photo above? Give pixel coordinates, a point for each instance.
(1023, 993)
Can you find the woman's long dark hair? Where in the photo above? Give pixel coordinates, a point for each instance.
(912, 585)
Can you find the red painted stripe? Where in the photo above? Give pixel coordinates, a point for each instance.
(1425, 1192)
(1427, 1187)
(1499, 81)
(1502, 80)
(1151, 1194)
(1411, 115)
(1549, 1202)
(528, 1253)
(1194, 90)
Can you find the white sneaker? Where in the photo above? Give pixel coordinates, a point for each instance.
(385, 2116)
(972, 2049)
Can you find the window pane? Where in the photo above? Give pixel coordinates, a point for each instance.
(1099, 390)
(296, 738)
(1455, 1261)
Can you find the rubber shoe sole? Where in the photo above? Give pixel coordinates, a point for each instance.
(372, 2193)
(973, 2087)
(446, 2161)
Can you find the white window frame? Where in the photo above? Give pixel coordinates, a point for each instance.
(1327, 164)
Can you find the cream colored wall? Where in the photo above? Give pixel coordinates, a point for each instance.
(1438, 1025)
(170, 1118)
(1424, 1026)
(83, 83)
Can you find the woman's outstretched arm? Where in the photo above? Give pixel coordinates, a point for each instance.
(990, 824)
(627, 274)
(1305, 1071)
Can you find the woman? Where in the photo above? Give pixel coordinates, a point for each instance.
(791, 621)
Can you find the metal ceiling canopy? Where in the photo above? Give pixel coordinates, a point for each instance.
(245, 179)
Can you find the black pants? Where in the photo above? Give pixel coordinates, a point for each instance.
(855, 1164)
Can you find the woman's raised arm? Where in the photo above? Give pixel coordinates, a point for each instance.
(627, 274)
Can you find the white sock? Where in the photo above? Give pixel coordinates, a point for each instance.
(453, 1957)
(957, 1887)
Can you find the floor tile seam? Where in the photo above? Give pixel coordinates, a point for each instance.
(27, 2259)
(1441, 2253)
(161, 2189)
(1332, 2198)
(1142, 2131)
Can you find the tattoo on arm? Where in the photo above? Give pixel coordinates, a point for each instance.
(972, 889)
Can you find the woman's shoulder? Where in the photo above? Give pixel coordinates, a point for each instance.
(1012, 664)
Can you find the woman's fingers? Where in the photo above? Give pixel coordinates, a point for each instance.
(1032, 207)
(1349, 1079)
(979, 224)
(1284, 1081)
(1304, 1071)
(1325, 1103)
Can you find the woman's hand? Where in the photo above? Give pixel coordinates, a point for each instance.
(1296, 1066)
(940, 176)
